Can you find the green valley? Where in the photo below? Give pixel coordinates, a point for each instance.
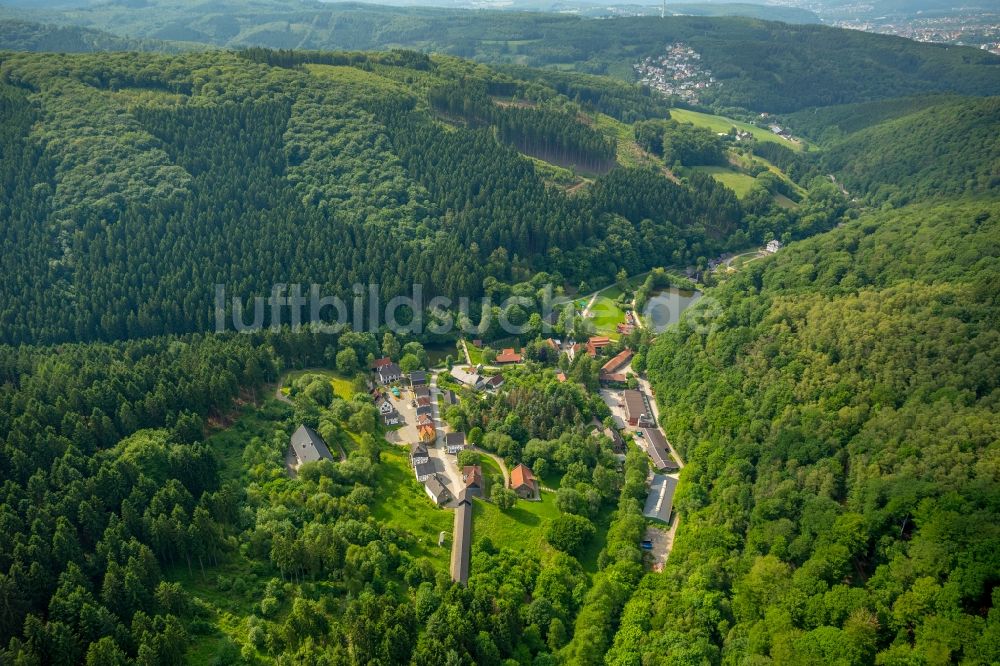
(343, 334)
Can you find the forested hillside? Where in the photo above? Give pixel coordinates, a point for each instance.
(946, 150)
(840, 427)
(763, 66)
(136, 183)
(28, 36)
(834, 406)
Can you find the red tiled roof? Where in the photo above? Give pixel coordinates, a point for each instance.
(621, 359)
(508, 356)
(472, 474)
(521, 476)
(381, 363)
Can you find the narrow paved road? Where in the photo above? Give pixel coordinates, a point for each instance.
(450, 462)
(499, 461)
(438, 450)
(663, 547)
(648, 390)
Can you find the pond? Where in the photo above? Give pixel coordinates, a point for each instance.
(665, 306)
(438, 352)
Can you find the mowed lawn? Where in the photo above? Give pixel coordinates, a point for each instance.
(740, 183)
(400, 501)
(722, 124)
(606, 314)
(520, 528)
(523, 528)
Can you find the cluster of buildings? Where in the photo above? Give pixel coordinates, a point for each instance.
(613, 372)
(629, 325)
(678, 72)
(594, 346)
(963, 27)
(473, 378)
(780, 131)
(638, 412)
(426, 472)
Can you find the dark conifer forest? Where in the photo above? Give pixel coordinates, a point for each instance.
(829, 397)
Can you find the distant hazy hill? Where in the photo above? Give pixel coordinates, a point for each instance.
(749, 10)
(16, 35)
(765, 66)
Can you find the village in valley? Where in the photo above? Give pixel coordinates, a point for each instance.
(414, 409)
(505, 435)
(678, 72)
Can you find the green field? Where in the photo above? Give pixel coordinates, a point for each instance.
(400, 501)
(722, 124)
(475, 353)
(523, 528)
(520, 528)
(490, 470)
(738, 182)
(341, 385)
(629, 153)
(607, 314)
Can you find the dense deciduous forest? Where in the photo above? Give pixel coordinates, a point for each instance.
(837, 411)
(840, 428)
(946, 149)
(682, 143)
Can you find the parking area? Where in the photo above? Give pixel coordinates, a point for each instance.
(661, 540)
(613, 399)
(404, 405)
(445, 465)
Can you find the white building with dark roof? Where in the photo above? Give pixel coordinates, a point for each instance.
(436, 490)
(308, 446)
(454, 442)
(418, 453)
(424, 470)
(388, 373)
